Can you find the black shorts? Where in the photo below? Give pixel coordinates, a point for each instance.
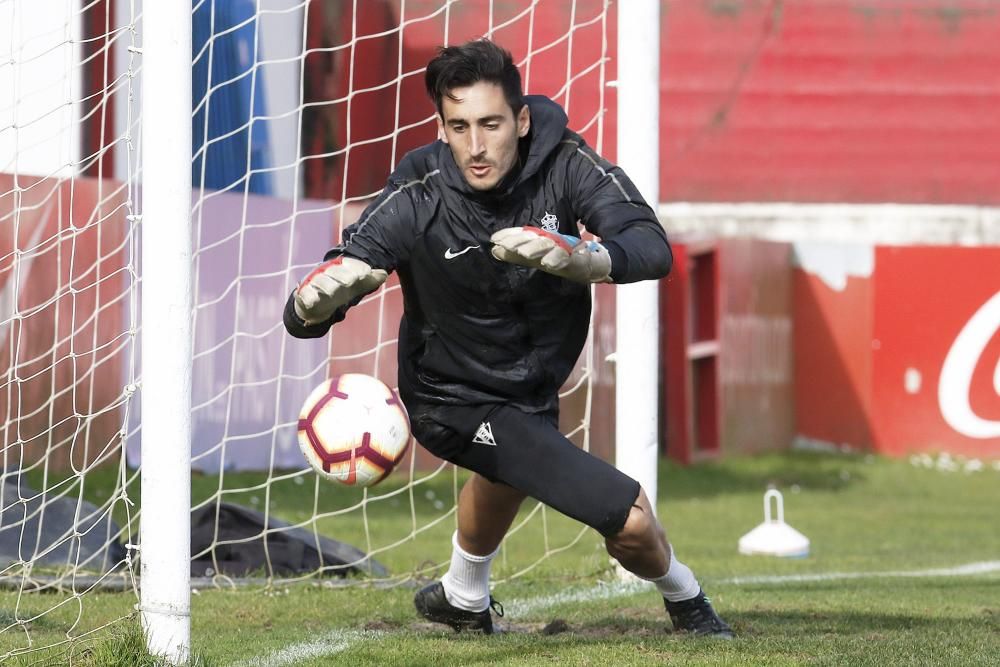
(527, 452)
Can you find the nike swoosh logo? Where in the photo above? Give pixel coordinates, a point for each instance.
(448, 254)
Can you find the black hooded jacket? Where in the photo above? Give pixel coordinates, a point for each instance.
(476, 330)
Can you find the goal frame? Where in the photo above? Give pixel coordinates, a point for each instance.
(166, 292)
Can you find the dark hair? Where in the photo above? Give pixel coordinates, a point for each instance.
(469, 63)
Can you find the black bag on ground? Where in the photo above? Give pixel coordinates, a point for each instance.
(55, 530)
(238, 547)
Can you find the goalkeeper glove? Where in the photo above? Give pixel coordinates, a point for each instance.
(566, 256)
(334, 284)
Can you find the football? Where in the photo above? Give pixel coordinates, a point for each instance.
(353, 429)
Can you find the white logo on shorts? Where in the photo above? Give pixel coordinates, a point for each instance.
(484, 435)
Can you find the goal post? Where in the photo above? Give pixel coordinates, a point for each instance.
(637, 308)
(166, 341)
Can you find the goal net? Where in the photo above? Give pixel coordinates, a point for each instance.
(300, 110)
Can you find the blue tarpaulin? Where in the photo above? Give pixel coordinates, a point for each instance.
(230, 135)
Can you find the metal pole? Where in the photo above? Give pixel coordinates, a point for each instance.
(164, 532)
(637, 319)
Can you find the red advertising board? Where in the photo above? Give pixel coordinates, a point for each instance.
(903, 357)
(936, 350)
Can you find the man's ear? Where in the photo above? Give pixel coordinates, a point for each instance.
(523, 121)
(441, 133)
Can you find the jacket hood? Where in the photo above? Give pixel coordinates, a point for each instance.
(548, 126)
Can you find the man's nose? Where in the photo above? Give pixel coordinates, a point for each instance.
(477, 147)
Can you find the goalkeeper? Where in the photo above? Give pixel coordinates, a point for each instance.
(482, 228)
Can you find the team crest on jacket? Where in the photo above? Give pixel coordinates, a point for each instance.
(549, 222)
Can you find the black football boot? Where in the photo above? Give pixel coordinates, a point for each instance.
(697, 617)
(432, 604)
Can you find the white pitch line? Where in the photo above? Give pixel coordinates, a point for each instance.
(602, 591)
(335, 642)
(608, 590)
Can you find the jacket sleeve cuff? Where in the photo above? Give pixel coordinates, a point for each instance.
(297, 327)
(619, 260)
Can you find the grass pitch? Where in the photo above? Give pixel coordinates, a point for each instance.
(883, 584)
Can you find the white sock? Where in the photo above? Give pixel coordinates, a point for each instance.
(467, 582)
(678, 583)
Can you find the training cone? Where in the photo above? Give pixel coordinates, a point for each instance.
(774, 537)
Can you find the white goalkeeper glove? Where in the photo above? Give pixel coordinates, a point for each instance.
(566, 256)
(334, 284)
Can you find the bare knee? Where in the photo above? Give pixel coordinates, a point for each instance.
(634, 535)
(641, 541)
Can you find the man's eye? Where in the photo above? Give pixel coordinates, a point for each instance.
(491, 126)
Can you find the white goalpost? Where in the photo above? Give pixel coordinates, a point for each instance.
(637, 327)
(167, 303)
(235, 140)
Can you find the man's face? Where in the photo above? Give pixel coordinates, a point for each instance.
(482, 132)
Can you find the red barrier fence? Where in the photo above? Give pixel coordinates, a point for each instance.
(827, 100)
(726, 326)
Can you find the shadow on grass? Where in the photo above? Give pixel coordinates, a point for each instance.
(808, 469)
(936, 590)
(300, 489)
(812, 470)
(762, 624)
(777, 624)
(785, 624)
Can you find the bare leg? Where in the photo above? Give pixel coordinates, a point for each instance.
(641, 546)
(642, 549)
(462, 598)
(485, 512)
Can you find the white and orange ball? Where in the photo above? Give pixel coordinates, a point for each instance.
(353, 429)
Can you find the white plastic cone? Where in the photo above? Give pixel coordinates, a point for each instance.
(774, 537)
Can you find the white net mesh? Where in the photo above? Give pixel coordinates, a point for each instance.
(301, 109)
(359, 108)
(68, 284)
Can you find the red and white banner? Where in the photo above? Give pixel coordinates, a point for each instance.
(936, 350)
(899, 350)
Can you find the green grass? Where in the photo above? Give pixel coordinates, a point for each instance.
(862, 514)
